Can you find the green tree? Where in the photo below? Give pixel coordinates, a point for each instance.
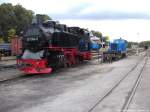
(11, 34)
(46, 17)
(23, 18)
(97, 34)
(130, 44)
(13, 17)
(7, 19)
(144, 43)
(1, 40)
(106, 39)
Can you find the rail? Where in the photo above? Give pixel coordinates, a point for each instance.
(110, 90)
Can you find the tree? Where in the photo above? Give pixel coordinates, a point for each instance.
(144, 43)
(46, 17)
(1, 40)
(106, 39)
(130, 44)
(23, 17)
(7, 19)
(11, 34)
(13, 17)
(97, 34)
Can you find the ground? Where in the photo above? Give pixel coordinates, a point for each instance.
(78, 89)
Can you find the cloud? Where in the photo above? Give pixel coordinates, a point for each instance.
(102, 15)
(50, 6)
(125, 28)
(3, 1)
(94, 10)
(88, 9)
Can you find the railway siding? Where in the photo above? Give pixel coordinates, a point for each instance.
(115, 101)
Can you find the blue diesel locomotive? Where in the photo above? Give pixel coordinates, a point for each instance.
(117, 49)
(118, 46)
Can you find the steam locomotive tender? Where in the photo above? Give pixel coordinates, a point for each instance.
(50, 45)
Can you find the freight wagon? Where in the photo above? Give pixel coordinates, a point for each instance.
(14, 48)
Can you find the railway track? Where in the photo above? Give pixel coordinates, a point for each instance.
(11, 67)
(132, 92)
(4, 67)
(23, 77)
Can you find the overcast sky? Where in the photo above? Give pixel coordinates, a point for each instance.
(129, 19)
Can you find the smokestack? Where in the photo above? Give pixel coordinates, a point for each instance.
(38, 20)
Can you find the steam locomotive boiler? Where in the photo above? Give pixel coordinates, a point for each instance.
(49, 45)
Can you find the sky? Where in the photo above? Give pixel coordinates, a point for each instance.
(128, 19)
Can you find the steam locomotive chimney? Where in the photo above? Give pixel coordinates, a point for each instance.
(38, 20)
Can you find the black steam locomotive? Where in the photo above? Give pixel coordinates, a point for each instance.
(48, 45)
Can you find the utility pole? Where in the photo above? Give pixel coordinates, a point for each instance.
(138, 36)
